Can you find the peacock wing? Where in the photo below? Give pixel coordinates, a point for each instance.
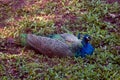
(57, 36)
(69, 37)
(48, 46)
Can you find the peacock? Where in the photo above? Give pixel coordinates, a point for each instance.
(61, 45)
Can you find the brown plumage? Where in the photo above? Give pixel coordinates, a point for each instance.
(48, 46)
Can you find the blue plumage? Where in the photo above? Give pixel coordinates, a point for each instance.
(86, 48)
(78, 36)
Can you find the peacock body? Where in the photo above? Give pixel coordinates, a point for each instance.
(61, 45)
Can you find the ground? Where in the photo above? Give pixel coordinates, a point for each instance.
(100, 19)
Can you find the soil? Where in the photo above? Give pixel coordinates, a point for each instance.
(112, 1)
(9, 46)
(15, 5)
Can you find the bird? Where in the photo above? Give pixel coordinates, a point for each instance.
(60, 45)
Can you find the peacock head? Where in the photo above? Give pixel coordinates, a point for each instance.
(86, 39)
(86, 48)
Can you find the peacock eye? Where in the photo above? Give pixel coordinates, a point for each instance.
(88, 38)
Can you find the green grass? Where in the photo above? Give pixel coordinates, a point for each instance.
(85, 17)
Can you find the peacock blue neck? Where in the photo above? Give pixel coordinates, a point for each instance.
(84, 42)
(86, 48)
